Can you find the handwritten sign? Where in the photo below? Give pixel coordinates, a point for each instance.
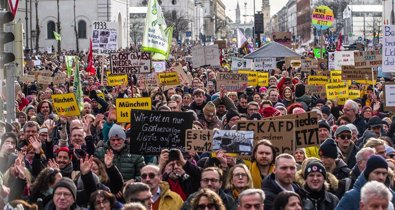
(117, 80)
(336, 90)
(44, 80)
(351, 73)
(241, 63)
(309, 64)
(130, 63)
(125, 106)
(198, 140)
(252, 76)
(343, 58)
(154, 131)
(368, 59)
(317, 80)
(389, 48)
(315, 90)
(205, 55)
(265, 64)
(59, 79)
(232, 141)
(65, 104)
(322, 17)
(232, 81)
(168, 78)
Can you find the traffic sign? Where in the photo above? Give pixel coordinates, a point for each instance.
(13, 4)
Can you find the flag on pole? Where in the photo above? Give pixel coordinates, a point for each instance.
(69, 60)
(155, 39)
(57, 36)
(90, 68)
(241, 39)
(169, 34)
(77, 85)
(339, 42)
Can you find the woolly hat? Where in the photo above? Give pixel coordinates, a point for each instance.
(314, 166)
(209, 109)
(67, 183)
(117, 130)
(328, 148)
(300, 90)
(320, 101)
(374, 162)
(298, 110)
(230, 114)
(375, 122)
(324, 124)
(326, 110)
(270, 112)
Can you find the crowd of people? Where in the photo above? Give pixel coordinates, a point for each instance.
(49, 161)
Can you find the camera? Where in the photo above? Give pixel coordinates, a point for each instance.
(173, 155)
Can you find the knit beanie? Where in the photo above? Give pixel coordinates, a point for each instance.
(314, 166)
(328, 148)
(67, 183)
(209, 109)
(300, 90)
(324, 124)
(230, 114)
(326, 110)
(374, 162)
(118, 131)
(270, 112)
(298, 110)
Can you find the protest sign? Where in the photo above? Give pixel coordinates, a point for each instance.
(221, 44)
(27, 79)
(198, 140)
(168, 78)
(322, 17)
(264, 64)
(130, 63)
(150, 81)
(263, 79)
(241, 63)
(336, 76)
(351, 73)
(159, 66)
(296, 63)
(154, 131)
(331, 61)
(280, 132)
(104, 37)
(252, 77)
(317, 80)
(315, 90)
(389, 97)
(44, 80)
(368, 59)
(289, 59)
(65, 105)
(205, 55)
(322, 64)
(309, 64)
(336, 90)
(284, 38)
(125, 106)
(343, 58)
(232, 81)
(389, 48)
(354, 94)
(117, 80)
(232, 141)
(184, 78)
(59, 79)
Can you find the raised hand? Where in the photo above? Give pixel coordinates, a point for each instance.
(108, 158)
(86, 164)
(86, 125)
(36, 144)
(164, 156)
(52, 164)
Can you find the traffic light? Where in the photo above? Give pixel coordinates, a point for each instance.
(6, 38)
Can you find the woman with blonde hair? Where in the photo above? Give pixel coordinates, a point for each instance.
(238, 180)
(207, 199)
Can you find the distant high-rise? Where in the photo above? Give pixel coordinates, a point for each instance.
(238, 13)
(266, 14)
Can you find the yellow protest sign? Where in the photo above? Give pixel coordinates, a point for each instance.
(101, 95)
(125, 106)
(354, 94)
(336, 90)
(263, 79)
(252, 76)
(65, 104)
(317, 80)
(168, 78)
(365, 82)
(117, 80)
(336, 76)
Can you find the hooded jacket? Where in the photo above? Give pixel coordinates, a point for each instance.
(168, 198)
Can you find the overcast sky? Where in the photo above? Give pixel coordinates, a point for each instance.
(275, 6)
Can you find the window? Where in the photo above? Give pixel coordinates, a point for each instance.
(81, 29)
(50, 29)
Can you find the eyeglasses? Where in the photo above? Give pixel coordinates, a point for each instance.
(204, 206)
(239, 175)
(65, 194)
(150, 175)
(391, 155)
(210, 180)
(343, 137)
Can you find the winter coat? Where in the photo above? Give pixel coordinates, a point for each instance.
(348, 182)
(350, 200)
(227, 200)
(360, 123)
(341, 171)
(271, 189)
(168, 198)
(328, 202)
(51, 206)
(128, 164)
(351, 160)
(331, 182)
(216, 123)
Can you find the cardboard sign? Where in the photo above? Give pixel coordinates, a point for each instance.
(306, 128)
(296, 63)
(389, 97)
(315, 90)
(205, 56)
(27, 79)
(331, 61)
(265, 64)
(289, 59)
(263, 79)
(125, 106)
(309, 64)
(232, 141)
(221, 44)
(44, 80)
(168, 78)
(59, 79)
(232, 81)
(117, 80)
(241, 63)
(130, 63)
(336, 76)
(159, 66)
(388, 48)
(317, 80)
(343, 58)
(154, 131)
(280, 132)
(336, 90)
(198, 140)
(65, 105)
(252, 77)
(322, 64)
(184, 78)
(351, 73)
(354, 94)
(368, 59)
(150, 81)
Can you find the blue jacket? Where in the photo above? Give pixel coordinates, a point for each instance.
(350, 200)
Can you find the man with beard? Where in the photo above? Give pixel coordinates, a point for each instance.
(262, 161)
(316, 195)
(223, 103)
(280, 180)
(63, 159)
(346, 145)
(209, 118)
(162, 197)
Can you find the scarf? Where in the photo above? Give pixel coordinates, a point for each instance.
(256, 174)
(176, 187)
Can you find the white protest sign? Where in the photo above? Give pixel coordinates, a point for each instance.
(130, 63)
(205, 55)
(241, 63)
(343, 58)
(198, 57)
(264, 63)
(104, 37)
(159, 66)
(331, 61)
(389, 48)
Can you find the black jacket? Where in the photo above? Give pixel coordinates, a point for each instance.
(348, 182)
(327, 202)
(341, 171)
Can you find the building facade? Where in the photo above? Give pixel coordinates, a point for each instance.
(266, 16)
(304, 27)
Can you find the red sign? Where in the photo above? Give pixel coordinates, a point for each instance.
(13, 4)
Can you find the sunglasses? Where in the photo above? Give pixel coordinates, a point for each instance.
(344, 137)
(391, 155)
(150, 175)
(204, 206)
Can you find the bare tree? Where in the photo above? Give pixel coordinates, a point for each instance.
(136, 32)
(178, 21)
